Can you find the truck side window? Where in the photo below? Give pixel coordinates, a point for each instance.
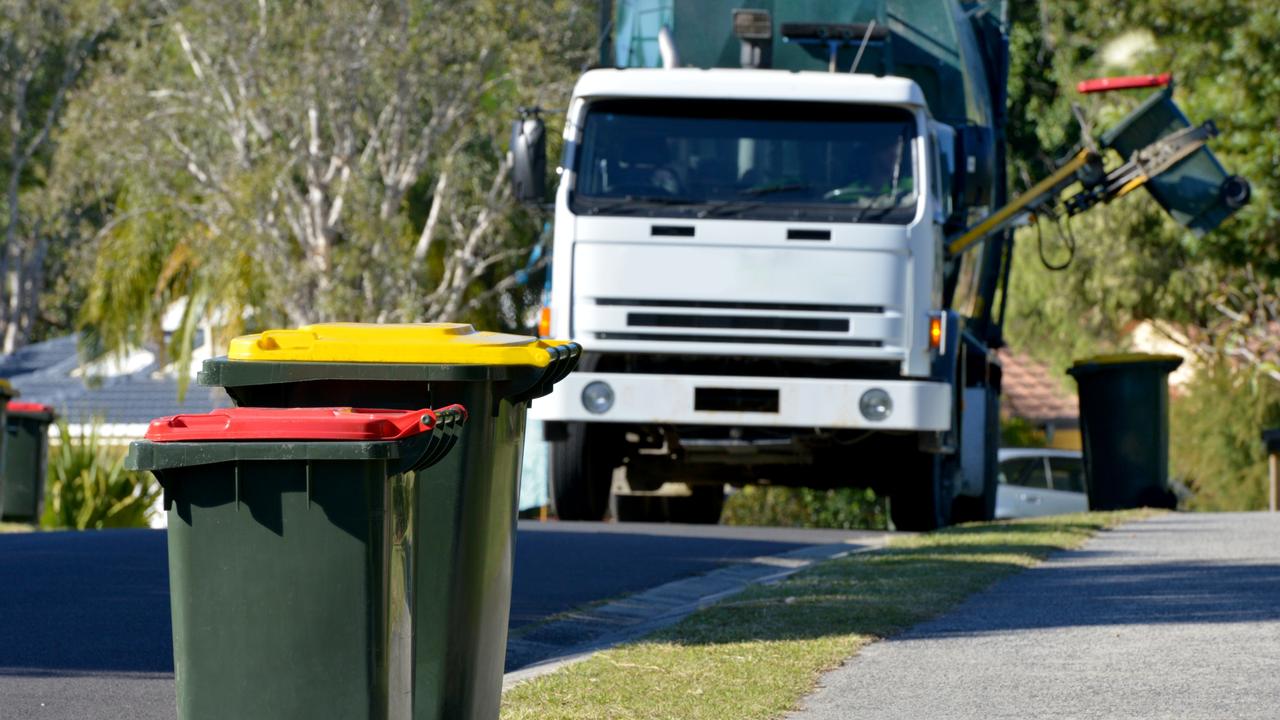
(944, 168)
(935, 175)
(967, 298)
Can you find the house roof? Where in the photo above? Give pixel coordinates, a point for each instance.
(1033, 392)
(45, 372)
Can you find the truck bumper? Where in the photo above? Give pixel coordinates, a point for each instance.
(800, 402)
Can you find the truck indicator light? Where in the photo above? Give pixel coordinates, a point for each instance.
(544, 322)
(935, 332)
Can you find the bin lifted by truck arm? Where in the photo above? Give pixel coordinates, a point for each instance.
(1165, 154)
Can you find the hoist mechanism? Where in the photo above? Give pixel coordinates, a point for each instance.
(1164, 153)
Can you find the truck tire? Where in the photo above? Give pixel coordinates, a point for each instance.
(703, 507)
(922, 500)
(581, 472)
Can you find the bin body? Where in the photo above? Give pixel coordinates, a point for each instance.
(465, 510)
(291, 574)
(26, 457)
(1124, 424)
(1192, 189)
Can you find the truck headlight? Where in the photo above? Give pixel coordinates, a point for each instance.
(875, 404)
(597, 397)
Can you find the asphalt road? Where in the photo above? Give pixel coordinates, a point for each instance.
(1173, 617)
(84, 617)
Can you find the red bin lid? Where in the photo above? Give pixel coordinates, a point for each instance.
(25, 406)
(331, 423)
(1129, 82)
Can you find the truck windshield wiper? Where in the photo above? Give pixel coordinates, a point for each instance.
(771, 189)
(632, 200)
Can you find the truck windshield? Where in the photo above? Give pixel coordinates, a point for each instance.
(744, 159)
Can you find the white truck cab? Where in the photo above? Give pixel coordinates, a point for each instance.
(761, 237)
(752, 260)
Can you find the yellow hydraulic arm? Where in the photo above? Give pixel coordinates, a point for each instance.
(1045, 191)
(1100, 186)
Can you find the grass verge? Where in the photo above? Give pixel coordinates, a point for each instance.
(757, 654)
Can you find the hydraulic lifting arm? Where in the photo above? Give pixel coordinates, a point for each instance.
(1161, 149)
(1045, 191)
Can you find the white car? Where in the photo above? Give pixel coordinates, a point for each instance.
(1040, 481)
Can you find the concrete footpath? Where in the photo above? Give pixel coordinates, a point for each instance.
(1177, 616)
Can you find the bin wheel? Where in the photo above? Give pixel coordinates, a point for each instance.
(921, 500)
(581, 472)
(703, 507)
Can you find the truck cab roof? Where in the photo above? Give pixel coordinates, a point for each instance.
(736, 84)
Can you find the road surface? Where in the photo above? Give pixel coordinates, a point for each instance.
(84, 617)
(1173, 617)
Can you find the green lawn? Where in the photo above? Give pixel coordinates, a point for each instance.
(757, 654)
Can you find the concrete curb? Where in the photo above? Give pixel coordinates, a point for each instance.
(560, 643)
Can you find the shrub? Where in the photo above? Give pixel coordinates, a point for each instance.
(845, 508)
(1215, 442)
(88, 487)
(1020, 432)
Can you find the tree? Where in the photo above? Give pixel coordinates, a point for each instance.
(293, 163)
(44, 48)
(1131, 262)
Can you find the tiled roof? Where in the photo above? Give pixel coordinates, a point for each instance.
(1033, 392)
(43, 373)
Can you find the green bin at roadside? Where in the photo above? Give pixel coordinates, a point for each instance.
(7, 393)
(466, 508)
(291, 539)
(26, 456)
(1124, 425)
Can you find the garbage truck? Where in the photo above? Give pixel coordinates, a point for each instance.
(783, 236)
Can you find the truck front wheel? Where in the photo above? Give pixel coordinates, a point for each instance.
(581, 472)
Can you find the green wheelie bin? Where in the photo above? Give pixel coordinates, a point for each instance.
(466, 507)
(26, 457)
(7, 394)
(291, 539)
(1124, 424)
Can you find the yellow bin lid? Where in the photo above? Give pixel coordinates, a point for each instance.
(433, 343)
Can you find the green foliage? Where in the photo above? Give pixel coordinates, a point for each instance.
(89, 489)
(283, 164)
(1215, 441)
(844, 508)
(1020, 432)
(1133, 263)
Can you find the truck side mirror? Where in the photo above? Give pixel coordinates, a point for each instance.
(975, 166)
(529, 158)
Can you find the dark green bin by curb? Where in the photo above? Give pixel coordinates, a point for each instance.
(466, 507)
(291, 564)
(26, 459)
(1124, 426)
(19, 489)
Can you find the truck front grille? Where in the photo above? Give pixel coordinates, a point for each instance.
(730, 305)
(739, 339)
(738, 322)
